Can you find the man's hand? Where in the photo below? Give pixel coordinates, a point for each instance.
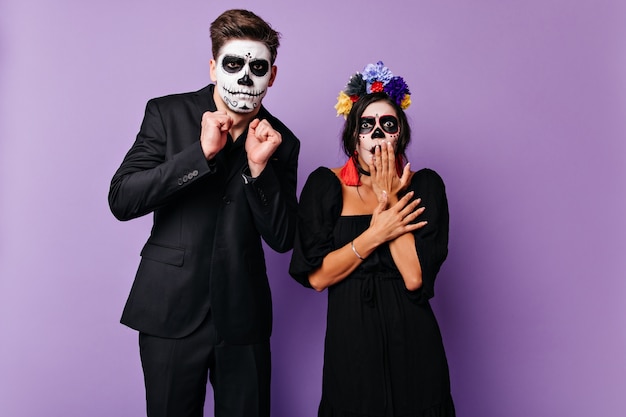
(215, 127)
(261, 143)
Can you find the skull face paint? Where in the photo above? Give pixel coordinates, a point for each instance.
(242, 74)
(387, 122)
(378, 123)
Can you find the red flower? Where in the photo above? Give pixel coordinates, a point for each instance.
(377, 87)
(354, 99)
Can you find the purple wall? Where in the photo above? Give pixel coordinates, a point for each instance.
(520, 106)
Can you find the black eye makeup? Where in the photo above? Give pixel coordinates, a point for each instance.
(233, 64)
(259, 67)
(387, 122)
(366, 125)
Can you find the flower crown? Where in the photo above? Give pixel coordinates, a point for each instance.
(374, 79)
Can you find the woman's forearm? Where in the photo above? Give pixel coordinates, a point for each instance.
(406, 259)
(340, 263)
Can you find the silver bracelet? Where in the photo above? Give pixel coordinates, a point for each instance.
(355, 252)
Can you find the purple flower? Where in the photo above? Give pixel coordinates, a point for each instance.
(397, 88)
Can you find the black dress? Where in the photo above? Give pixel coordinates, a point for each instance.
(383, 351)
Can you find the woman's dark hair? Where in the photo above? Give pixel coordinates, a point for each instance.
(350, 135)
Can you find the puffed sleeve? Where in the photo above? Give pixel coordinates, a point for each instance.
(431, 241)
(318, 211)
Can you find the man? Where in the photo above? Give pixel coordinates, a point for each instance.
(219, 173)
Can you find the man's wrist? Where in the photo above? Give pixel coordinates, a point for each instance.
(247, 176)
(255, 169)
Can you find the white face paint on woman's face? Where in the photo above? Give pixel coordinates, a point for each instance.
(378, 124)
(242, 74)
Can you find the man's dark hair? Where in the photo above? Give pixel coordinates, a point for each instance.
(243, 24)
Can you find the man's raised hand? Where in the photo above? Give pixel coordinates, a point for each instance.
(214, 133)
(261, 142)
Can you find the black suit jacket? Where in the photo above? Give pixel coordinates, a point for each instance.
(205, 249)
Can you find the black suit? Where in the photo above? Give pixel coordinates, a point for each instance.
(195, 203)
(204, 251)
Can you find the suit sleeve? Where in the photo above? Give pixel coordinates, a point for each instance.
(148, 178)
(272, 197)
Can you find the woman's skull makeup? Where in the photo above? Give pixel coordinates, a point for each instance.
(386, 122)
(242, 74)
(378, 123)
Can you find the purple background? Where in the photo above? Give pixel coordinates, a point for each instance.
(519, 105)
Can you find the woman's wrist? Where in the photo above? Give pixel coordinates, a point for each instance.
(356, 252)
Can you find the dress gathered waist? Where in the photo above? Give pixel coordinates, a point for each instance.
(380, 275)
(369, 278)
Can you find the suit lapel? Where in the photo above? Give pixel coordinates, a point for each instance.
(204, 100)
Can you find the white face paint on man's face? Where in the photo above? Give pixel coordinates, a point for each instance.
(243, 73)
(378, 124)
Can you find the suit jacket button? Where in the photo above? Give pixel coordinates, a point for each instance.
(226, 200)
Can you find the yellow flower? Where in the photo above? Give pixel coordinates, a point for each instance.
(344, 104)
(406, 102)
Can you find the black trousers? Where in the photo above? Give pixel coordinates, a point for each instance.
(176, 370)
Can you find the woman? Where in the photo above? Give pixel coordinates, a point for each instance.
(375, 234)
